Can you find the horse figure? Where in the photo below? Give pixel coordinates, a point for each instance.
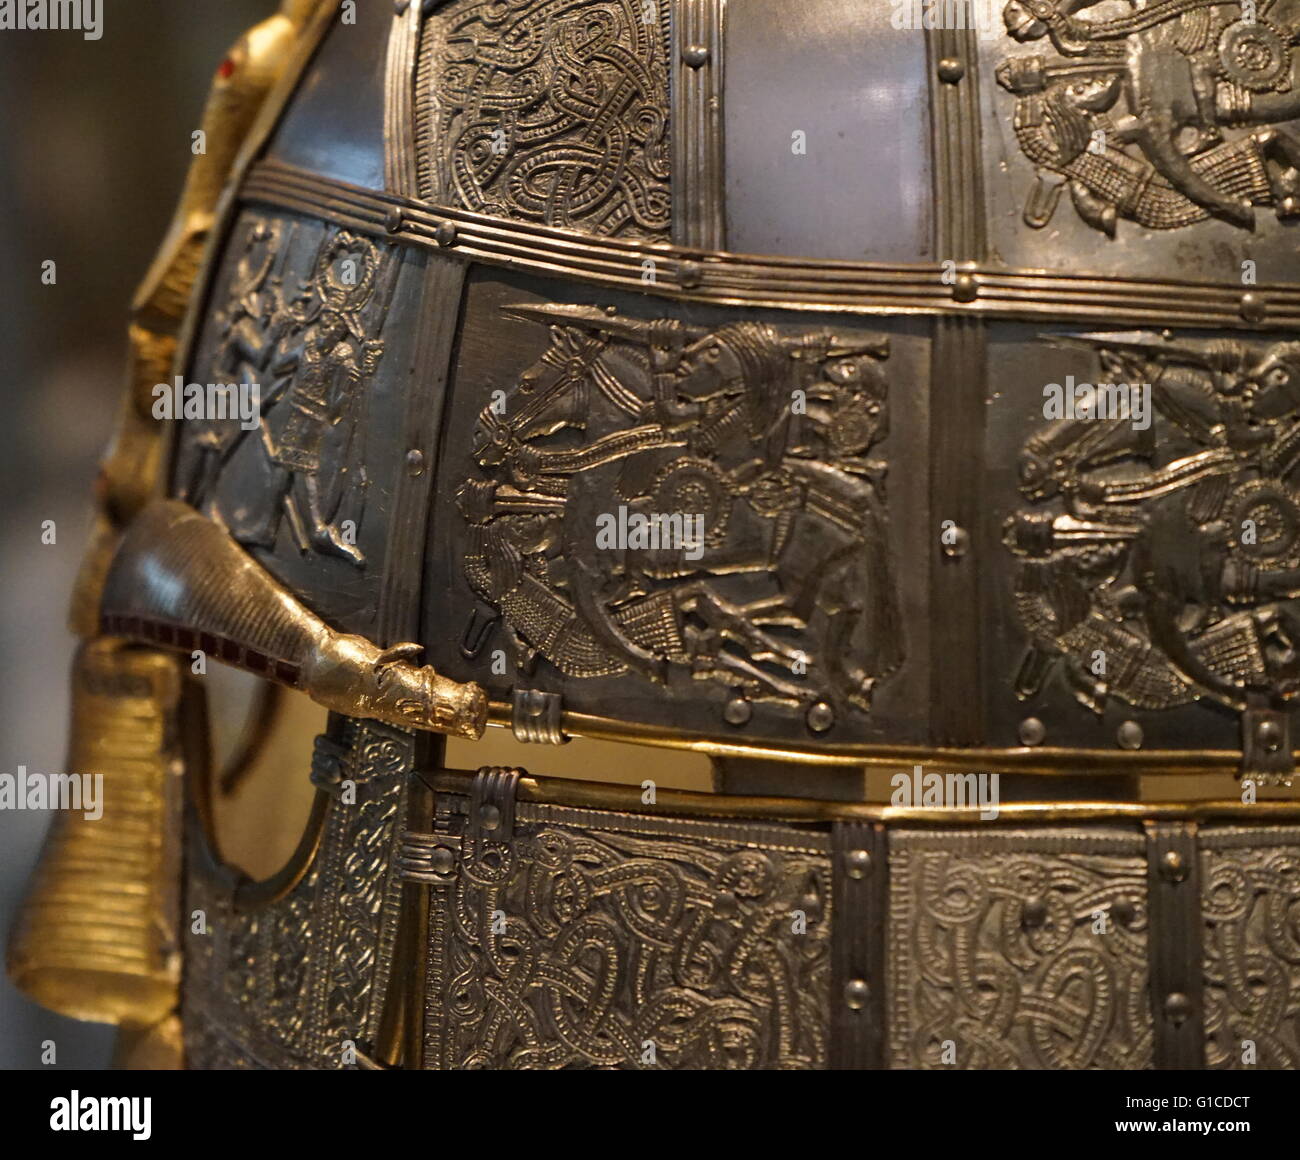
(759, 435)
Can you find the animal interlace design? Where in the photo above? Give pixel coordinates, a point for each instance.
(555, 113)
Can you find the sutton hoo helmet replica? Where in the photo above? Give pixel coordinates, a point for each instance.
(896, 404)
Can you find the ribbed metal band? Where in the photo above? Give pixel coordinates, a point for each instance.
(698, 175)
(786, 283)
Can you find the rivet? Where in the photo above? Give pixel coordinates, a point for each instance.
(1123, 911)
(415, 463)
(445, 234)
(856, 993)
(965, 288)
(695, 55)
(1129, 735)
(442, 860)
(394, 220)
(738, 711)
(1032, 731)
(400, 6)
(1172, 866)
(951, 70)
(1033, 913)
(1252, 307)
(489, 817)
(689, 274)
(725, 903)
(857, 863)
(1177, 1007)
(955, 542)
(1269, 735)
(820, 717)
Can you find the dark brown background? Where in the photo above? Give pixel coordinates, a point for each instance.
(94, 145)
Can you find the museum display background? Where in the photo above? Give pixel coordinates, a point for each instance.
(94, 147)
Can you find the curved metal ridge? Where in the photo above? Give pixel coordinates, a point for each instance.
(248, 894)
(785, 283)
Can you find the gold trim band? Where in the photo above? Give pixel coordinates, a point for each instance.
(629, 798)
(1040, 761)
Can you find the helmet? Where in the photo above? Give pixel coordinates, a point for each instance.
(748, 389)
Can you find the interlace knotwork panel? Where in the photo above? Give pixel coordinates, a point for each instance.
(1024, 949)
(553, 112)
(291, 984)
(1250, 901)
(604, 940)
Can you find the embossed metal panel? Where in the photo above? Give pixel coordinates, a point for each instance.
(554, 113)
(598, 939)
(1019, 949)
(762, 379)
(788, 620)
(1120, 142)
(1250, 899)
(323, 320)
(1138, 568)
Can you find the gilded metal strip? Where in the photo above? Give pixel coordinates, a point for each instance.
(399, 602)
(437, 970)
(401, 1034)
(957, 374)
(596, 795)
(400, 175)
(1049, 762)
(699, 195)
(1052, 763)
(774, 836)
(1174, 944)
(785, 283)
(860, 894)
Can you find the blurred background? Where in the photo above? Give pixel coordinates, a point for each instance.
(94, 146)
